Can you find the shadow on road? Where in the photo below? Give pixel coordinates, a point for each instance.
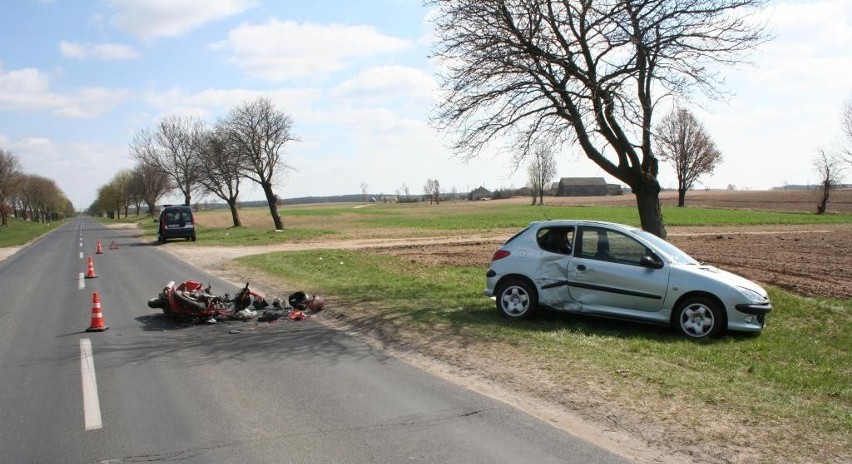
(183, 344)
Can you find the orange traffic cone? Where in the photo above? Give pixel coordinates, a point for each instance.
(97, 324)
(90, 272)
(113, 245)
(99, 250)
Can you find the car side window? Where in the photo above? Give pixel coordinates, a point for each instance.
(556, 239)
(608, 245)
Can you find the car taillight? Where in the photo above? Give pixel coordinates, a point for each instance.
(500, 254)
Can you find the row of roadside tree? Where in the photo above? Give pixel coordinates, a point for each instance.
(183, 154)
(29, 196)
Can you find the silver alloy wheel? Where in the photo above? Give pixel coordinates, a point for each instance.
(515, 300)
(697, 320)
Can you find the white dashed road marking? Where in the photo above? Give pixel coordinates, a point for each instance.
(91, 404)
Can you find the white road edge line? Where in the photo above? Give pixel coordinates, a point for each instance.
(81, 255)
(81, 284)
(91, 405)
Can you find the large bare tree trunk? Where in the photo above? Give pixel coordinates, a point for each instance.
(648, 203)
(822, 207)
(272, 199)
(235, 214)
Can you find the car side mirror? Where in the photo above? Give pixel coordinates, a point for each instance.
(650, 262)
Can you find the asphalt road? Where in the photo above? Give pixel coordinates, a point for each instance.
(152, 390)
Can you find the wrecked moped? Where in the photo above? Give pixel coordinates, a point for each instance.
(191, 299)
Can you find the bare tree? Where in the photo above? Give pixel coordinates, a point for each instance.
(364, 187)
(830, 173)
(259, 131)
(173, 148)
(123, 184)
(10, 176)
(584, 72)
(682, 141)
(221, 168)
(405, 191)
(540, 171)
(155, 184)
(846, 125)
(432, 189)
(136, 191)
(41, 199)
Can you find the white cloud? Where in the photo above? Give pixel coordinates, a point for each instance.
(811, 45)
(25, 89)
(29, 90)
(212, 103)
(68, 163)
(280, 50)
(105, 51)
(150, 19)
(388, 82)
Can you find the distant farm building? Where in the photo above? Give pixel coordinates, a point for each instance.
(582, 187)
(614, 189)
(481, 193)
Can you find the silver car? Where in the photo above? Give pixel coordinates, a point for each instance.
(618, 271)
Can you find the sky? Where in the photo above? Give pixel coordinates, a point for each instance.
(78, 79)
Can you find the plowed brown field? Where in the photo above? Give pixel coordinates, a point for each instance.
(813, 261)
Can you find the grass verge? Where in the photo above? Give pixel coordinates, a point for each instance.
(790, 388)
(20, 232)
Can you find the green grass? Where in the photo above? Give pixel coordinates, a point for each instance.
(346, 221)
(19, 232)
(798, 371)
(239, 236)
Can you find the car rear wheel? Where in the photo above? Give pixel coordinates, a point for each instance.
(517, 299)
(699, 317)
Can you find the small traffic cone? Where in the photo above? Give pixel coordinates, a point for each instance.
(97, 324)
(99, 250)
(90, 272)
(113, 245)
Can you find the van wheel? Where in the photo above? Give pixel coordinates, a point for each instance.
(517, 299)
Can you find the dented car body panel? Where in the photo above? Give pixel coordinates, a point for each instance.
(619, 271)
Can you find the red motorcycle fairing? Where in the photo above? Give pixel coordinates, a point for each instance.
(191, 299)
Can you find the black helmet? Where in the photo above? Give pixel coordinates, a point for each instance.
(297, 300)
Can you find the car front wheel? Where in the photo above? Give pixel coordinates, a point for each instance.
(699, 317)
(517, 299)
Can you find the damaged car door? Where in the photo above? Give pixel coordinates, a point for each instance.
(612, 273)
(556, 246)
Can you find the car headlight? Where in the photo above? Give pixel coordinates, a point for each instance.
(751, 295)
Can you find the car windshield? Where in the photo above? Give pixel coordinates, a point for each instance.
(672, 253)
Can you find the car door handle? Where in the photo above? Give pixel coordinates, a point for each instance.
(581, 267)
